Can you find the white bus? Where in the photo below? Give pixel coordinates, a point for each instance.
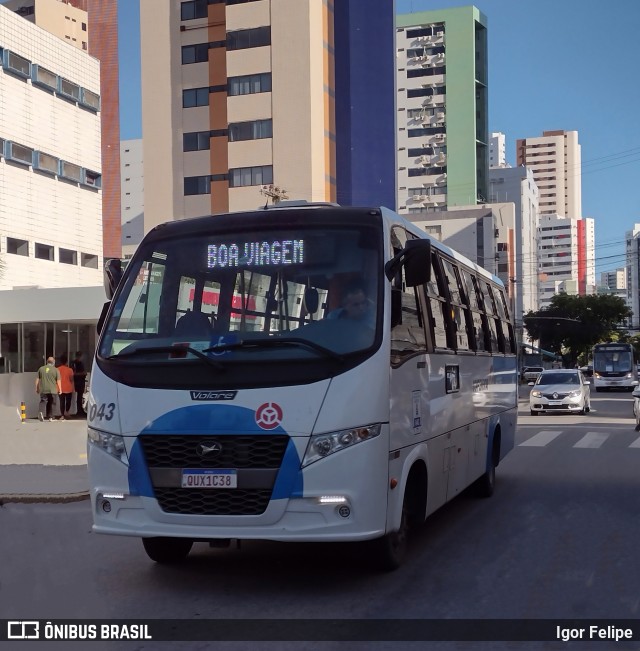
(614, 366)
(309, 373)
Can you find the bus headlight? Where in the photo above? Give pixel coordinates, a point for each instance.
(322, 445)
(112, 444)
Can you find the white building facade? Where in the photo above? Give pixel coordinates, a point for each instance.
(517, 185)
(633, 274)
(497, 150)
(50, 160)
(131, 195)
(564, 245)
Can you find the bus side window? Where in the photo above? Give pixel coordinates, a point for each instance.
(459, 311)
(479, 320)
(439, 327)
(507, 326)
(407, 336)
(492, 304)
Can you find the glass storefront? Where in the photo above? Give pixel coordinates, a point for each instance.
(24, 347)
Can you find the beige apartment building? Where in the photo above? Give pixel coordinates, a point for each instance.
(236, 97)
(555, 160)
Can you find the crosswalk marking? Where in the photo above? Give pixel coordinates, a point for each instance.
(635, 444)
(591, 440)
(541, 439)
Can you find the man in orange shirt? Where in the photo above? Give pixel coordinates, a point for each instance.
(66, 384)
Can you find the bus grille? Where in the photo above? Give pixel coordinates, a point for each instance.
(213, 502)
(239, 452)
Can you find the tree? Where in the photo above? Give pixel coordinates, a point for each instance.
(571, 325)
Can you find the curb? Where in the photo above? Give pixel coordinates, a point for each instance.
(26, 498)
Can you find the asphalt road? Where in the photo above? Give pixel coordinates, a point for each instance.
(557, 540)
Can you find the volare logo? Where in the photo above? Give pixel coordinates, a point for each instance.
(213, 395)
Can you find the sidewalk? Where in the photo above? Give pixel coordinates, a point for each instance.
(42, 462)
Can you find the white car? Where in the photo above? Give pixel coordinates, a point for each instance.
(560, 390)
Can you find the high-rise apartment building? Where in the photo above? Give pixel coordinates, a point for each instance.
(554, 158)
(516, 185)
(565, 245)
(239, 97)
(633, 274)
(50, 163)
(442, 115)
(497, 150)
(132, 195)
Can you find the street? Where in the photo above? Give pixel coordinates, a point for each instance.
(557, 540)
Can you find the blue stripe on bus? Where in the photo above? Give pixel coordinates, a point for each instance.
(218, 420)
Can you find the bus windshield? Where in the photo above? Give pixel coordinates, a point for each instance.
(271, 294)
(611, 361)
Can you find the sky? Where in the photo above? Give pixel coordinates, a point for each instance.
(553, 65)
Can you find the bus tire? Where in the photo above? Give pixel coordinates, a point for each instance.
(167, 550)
(486, 483)
(390, 550)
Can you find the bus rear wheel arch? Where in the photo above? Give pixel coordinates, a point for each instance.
(167, 550)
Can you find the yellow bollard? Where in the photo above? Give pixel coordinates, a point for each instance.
(23, 412)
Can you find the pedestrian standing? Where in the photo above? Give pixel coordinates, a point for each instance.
(66, 383)
(79, 379)
(48, 386)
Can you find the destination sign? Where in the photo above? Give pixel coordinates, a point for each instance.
(267, 253)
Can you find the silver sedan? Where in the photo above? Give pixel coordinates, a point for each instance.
(564, 390)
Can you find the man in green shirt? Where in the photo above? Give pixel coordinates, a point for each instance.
(48, 386)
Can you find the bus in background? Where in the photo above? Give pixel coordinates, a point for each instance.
(614, 366)
(296, 373)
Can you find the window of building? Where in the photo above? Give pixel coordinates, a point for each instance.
(43, 77)
(69, 90)
(197, 185)
(246, 38)
(46, 163)
(92, 179)
(66, 256)
(425, 72)
(17, 247)
(193, 9)
(196, 141)
(84, 27)
(70, 171)
(195, 97)
(44, 251)
(90, 100)
(2, 141)
(254, 130)
(16, 64)
(19, 153)
(249, 84)
(195, 53)
(245, 176)
(89, 260)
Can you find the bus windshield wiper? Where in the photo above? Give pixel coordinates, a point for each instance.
(171, 349)
(268, 342)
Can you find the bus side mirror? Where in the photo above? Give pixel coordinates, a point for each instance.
(112, 276)
(416, 260)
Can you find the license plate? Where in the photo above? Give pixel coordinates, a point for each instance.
(614, 382)
(555, 402)
(209, 478)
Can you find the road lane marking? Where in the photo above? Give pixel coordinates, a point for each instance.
(591, 440)
(635, 444)
(541, 439)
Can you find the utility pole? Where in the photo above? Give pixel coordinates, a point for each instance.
(273, 192)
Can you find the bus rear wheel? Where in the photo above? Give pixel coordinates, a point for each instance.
(167, 550)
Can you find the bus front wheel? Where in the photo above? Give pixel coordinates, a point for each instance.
(391, 549)
(167, 550)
